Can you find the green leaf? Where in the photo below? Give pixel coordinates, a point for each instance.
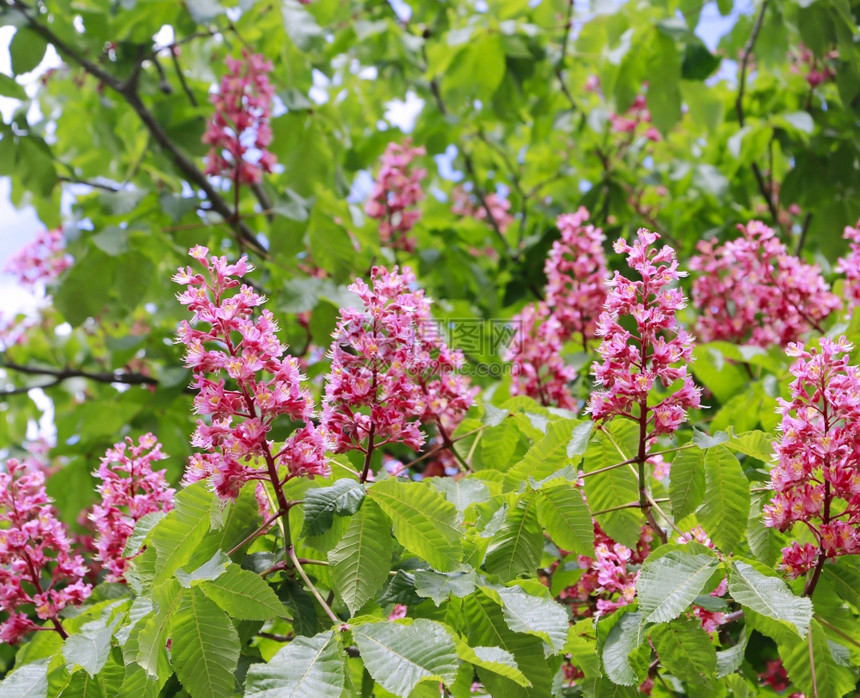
(343, 498)
(243, 594)
(27, 681)
(438, 586)
(615, 487)
(176, 536)
(525, 613)
(461, 493)
(205, 647)
(142, 528)
(360, 562)
(146, 645)
(308, 666)
(85, 289)
(669, 584)
(726, 508)
(424, 522)
(89, 648)
(106, 684)
(811, 666)
(621, 644)
(685, 649)
(300, 25)
(27, 49)
(769, 596)
(485, 626)
(302, 607)
(731, 659)
(756, 444)
(482, 56)
(517, 546)
(698, 63)
(10, 88)
(494, 659)
(212, 569)
(664, 77)
(399, 657)
(565, 517)
(546, 456)
(687, 483)
(604, 688)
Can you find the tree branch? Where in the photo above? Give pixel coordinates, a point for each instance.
(766, 192)
(128, 90)
(62, 374)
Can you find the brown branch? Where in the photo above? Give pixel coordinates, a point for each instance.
(558, 69)
(766, 192)
(62, 374)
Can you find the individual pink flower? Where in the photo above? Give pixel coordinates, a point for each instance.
(244, 383)
(752, 291)
(129, 490)
(538, 368)
(576, 276)
(40, 261)
(37, 565)
(636, 116)
(471, 207)
(775, 676)
(608, 580)
(399, 611)
(815, 479)
(391, 369)
(238, 132)
(656, 355)
(850, 266)
(396, 195)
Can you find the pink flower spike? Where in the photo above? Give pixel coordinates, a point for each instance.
(656, 355)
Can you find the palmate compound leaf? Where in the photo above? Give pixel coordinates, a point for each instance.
(205, 647)
(769, 596)
(343, 498)
(400, 656)
(424, 522)
(668, 585)
(308, 666)
(360, 562)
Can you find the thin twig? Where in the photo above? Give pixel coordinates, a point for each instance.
(766, 192)
(310, 585)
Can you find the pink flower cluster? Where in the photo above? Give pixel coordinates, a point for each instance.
(40, 261)
(575, 292)
(751, 290)
(850, 266)
(469, 206)
(539, 370)
(576, 275)
(816, 71)
(391, 369)
(819, 456)
(129, 490)
(633, 364)
(252, 383)
(634, 117)
(607, 583)
(396, 194)
(238, 131)
(36, 558)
